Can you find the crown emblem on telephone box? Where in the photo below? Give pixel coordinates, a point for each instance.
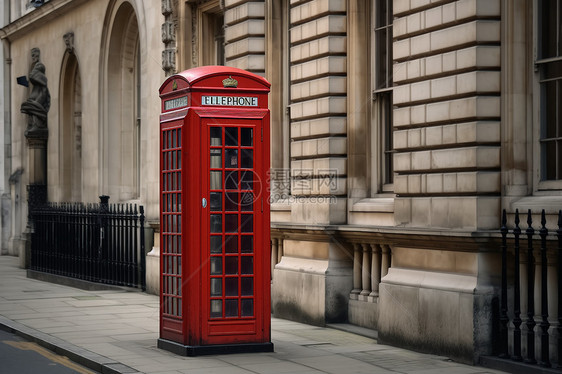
(230, 82)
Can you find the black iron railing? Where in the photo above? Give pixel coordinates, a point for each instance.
(101, 243)
(522, 258)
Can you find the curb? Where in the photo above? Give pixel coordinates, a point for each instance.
(79, 355)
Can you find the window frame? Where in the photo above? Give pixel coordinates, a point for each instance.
(382, 172)
(207, 15)
(541, 63)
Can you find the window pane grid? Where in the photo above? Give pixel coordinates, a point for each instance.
(550, 70)
(171, 223)
(231, 247)
(382, 90)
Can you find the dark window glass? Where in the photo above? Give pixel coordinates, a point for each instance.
(247, 286)
(231, 180)
(247, 244)
(231, 158)
(231, 265)
(216, 244)
(246, 137)
(247, 223)
(216, 201)
(247, 307)
(247, 161)
(231, 223)
(231, 244)
(550, 68)
(231, 202)
(231, 308)
(216, 223)
(231, 286)
(247, 265)
(231, 136)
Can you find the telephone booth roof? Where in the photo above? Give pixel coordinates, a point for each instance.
(211, 77)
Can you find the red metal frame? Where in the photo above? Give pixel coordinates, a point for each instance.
(186, 323)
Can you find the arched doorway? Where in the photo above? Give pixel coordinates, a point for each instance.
(121, 129)
(71, 131)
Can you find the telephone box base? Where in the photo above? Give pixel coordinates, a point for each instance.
(216, 349)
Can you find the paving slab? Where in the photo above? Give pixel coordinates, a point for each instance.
(116, 331)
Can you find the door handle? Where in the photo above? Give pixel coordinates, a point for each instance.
(204, 202)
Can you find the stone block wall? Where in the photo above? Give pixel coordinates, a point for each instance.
(318, 106)
(447, 113)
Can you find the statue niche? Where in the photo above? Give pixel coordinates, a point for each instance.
(39, 101)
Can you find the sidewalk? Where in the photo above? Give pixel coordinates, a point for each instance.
(116, 331)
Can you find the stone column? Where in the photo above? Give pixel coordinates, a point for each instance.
(366, 271)
(356, 271)
(375, 272)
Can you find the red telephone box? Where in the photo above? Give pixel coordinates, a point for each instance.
(214, 219)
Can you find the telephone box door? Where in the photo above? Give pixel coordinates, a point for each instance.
(233, 220)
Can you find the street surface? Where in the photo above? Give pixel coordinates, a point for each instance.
(19, 356)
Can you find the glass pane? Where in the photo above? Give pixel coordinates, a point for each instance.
(550, 161)
(231, 202)
(216, 286)
(179, 159)
(247, 307)
(216, 223)
(247, 180)
(179, 137)
(247, 161)
(216, 244)
(216, 201)
(231, 223)
(550, 104)
(247, 223)
(247, 286)
(247, 244)
(216, 308)
(216, 136)
(231, 180)
(216, 265)
(246, 137)
(231, 136)
(231, 286)
(231, 265)
(231, 308)
(231, 244)
(231, 158)
(247, 265)
(247, 201)
(216, 158)
(216, 180)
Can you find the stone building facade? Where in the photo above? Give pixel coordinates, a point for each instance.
(400, 130)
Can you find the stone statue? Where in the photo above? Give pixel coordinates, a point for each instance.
(39, 101)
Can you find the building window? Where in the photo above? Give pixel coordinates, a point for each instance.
(549, 64)
(211, 43)
(382, 92)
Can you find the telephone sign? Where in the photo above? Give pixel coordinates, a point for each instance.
(214, 212)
